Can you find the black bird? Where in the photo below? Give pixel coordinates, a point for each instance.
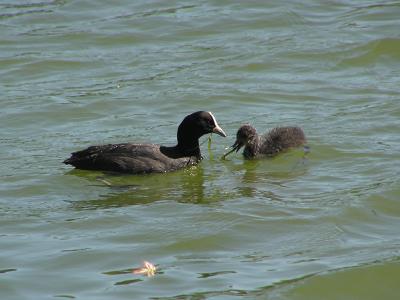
(270, 144)
(150, 158)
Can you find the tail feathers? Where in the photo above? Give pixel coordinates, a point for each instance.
(83, 155)
(68, 161)
(73, 160)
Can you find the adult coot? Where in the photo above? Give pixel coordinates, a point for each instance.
(150, 158)
(272, 143)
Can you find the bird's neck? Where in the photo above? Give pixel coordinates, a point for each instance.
(189, 147)
(252, 147)
(182, 150)
(188, 141)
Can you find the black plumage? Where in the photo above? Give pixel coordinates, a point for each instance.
(275, 141)
(150, 158)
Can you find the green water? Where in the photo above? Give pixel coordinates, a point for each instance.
(78, 73)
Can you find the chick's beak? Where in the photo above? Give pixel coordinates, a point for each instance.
(218, 130)
(235, 147)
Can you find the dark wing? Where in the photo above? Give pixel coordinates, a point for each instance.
(130, 158)
(282, 138)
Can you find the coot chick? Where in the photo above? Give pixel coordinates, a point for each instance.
(150, 158)
(270, 144)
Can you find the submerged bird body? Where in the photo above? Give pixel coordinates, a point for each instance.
(129, 158)
(270, 144)
(150, 158)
